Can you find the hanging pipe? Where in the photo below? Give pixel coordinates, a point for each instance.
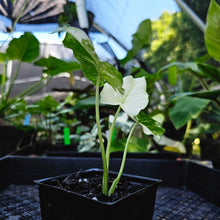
(82, 14)
(192, 15)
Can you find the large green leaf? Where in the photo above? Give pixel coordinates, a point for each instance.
(26, 48)
(198, 69)
(150, 123)
(182, 67)
(3, 57)
(136, 144)
(211, 95)
(210, 71)
(140, 39)
(85, 103)
(212, 32)
(111, 75)
(203, 58)
(54, 66)
(91, 65)
(185, 109)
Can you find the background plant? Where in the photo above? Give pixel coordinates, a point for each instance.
(186, 93)
(23, 49)
(26, 49)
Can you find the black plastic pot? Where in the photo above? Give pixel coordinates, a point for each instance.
(216, 164)
(71, 153)
(57, 203)
(12, 138)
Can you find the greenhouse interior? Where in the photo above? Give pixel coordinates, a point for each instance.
(109, 109)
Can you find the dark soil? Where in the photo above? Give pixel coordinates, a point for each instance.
(90, 185)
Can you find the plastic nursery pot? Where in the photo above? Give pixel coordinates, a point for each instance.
(58, 203)
(12, 138)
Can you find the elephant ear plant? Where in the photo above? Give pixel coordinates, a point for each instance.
(128, 93)
(26, 49)
(23, 49)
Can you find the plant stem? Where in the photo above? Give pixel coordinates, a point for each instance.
(205, 85)
(115, 182)
(192, 83)
(12, 81)
(105, 168)
(34, 88)
(188, 126)
(110, 137)
(3, 81)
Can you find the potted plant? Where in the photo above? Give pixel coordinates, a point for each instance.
(13, 110)
(129, 94)
(52, 119)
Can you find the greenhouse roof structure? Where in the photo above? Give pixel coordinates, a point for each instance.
(113, 25)
(118, 19)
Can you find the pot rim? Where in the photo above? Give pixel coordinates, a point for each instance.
(152, 183)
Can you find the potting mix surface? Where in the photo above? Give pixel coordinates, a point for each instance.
(90, 186)
(21, 202)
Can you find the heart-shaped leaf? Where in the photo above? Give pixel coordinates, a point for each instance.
(54, 66)
(26, 48)
(91, 65)
(198, 69)
(185, 109)
(140, 39)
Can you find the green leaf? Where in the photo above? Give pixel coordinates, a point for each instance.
(211, 95)
(172, 75)
(26, 48)
(210, 71)
(185, 109)
(198, 69)
(140, 39)
(1, 79)
(182, 67)
(203, 58)
(110, 74)
(3, 57)
(47, 105)
(135, 144)
(85, 103)
(212, 32)
(54, 66)
(83, 51)
(91, 65)
(150, 123)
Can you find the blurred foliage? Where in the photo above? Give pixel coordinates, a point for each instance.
(175, 38)
(69, 14)
(182, 75)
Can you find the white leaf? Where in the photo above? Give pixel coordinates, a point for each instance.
(135, 97)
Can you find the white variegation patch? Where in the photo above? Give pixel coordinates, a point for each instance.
(134, 99)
